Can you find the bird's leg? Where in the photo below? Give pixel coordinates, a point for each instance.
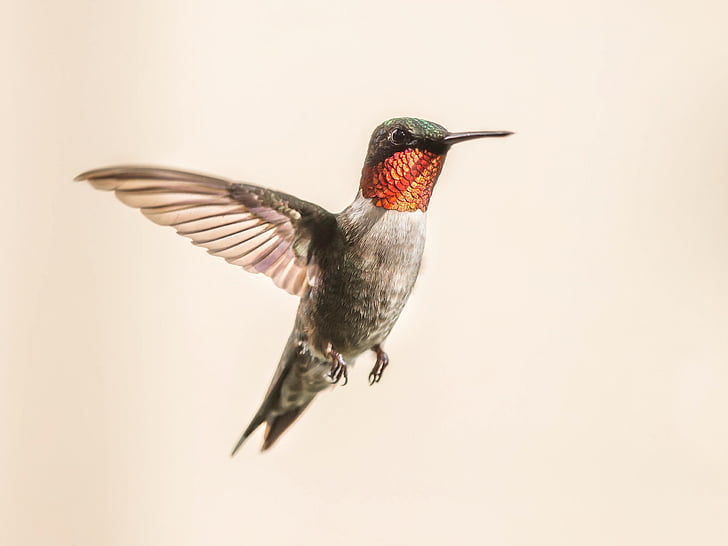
(382, 362)
(338, 368)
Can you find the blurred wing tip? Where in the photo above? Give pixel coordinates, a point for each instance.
(146, 171)
(108, 172)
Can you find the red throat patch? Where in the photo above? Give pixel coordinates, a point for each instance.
(403, 181)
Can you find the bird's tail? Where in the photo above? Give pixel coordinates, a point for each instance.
(299, 377)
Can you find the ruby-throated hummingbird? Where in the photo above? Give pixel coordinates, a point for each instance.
(353, 270)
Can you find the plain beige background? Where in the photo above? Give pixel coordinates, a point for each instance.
(559, 376)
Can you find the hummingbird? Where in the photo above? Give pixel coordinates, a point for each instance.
(353, 271)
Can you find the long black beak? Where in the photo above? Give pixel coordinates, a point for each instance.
(453, 138)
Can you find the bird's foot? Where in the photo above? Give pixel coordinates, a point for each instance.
(382, 362)
(338, 368)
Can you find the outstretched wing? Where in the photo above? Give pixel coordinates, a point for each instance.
(261, 230)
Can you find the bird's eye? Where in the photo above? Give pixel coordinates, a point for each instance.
(398, 136)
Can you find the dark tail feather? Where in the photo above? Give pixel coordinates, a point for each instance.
(278, 424)
(279, 414)
(275, 426)
(255, 423)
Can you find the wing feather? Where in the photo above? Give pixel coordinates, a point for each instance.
(250, 226)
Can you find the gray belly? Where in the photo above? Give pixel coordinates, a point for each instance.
(360, 295)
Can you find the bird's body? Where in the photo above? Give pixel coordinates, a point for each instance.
(374, 269)
(373, 272)
(353, 271)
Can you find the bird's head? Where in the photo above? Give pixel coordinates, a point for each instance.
(405, 158)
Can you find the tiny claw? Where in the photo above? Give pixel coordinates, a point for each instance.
(338, 369)
(382, 362)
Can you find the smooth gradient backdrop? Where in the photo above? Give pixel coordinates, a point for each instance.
(560, 374)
